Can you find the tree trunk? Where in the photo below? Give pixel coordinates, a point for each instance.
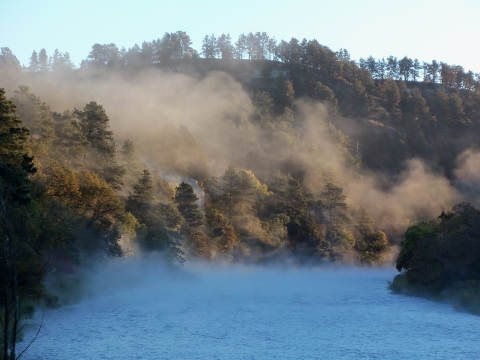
(6, 324)
(11, 290)
(16, 312)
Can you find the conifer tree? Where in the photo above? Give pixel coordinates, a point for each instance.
(210, 48)
(128, 150)
(43, 65)
(38, 117)
(415, 70)
(405, 66)
(324, 93)
(284, 93)
(225, 47)
(334, 201)
(20, 272)
(34, 64)
(13, 136)
(391, 93)
(186, 200)
(93, 124)
(142, 192)
(8, 60)
(370, 244)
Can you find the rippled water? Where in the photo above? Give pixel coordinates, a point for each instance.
(139, 312)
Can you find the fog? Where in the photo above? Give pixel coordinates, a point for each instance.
(139, 308)
(467, 174)
(254, 300)
(418, 194)
(149, 107)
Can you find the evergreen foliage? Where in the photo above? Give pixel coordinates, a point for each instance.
(439, 258)
(61, 174)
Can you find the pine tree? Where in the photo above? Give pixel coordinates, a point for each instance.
(142, 193)
(335, 208)
(93, 124)
(284, 93)
(334, 201)
(391, 93)
(34, 65)
(8, 60)
(13, 136)
(186, 200)
(419, 105)
(324, 93)
(392, 67)
(43, 65)
(231, 191)
(225, 47)
(210, 48)
(405, 66)
(128, 150)
(20, 273)
(263, 104)
(369, 244)
(222, 232)
(415, 70)
(38, 117)
(69, 143)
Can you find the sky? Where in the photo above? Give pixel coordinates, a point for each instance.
(444, 30)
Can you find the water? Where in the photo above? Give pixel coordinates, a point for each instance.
(143, 312)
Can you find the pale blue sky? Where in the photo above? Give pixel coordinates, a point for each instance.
(424, 29)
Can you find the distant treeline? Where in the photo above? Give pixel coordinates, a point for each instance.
(178, 45)
(429, 110)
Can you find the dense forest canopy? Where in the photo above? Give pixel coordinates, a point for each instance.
(252, 151)
(439, 259)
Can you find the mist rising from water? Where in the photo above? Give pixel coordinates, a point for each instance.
(140, 308)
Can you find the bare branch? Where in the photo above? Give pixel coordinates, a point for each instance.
(34, 338)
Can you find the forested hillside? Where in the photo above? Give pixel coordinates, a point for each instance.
(426, 109)
(252, 151)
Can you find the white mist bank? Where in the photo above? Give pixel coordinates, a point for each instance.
(139, 309)
(153, 103)
(217, 110)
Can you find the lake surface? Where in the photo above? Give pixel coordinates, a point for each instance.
(139, 310)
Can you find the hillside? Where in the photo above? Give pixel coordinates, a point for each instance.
(258, 152)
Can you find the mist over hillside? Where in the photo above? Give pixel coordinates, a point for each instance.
(253, 152)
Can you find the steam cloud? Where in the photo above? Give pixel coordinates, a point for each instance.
(144, 106)
(468, 170)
